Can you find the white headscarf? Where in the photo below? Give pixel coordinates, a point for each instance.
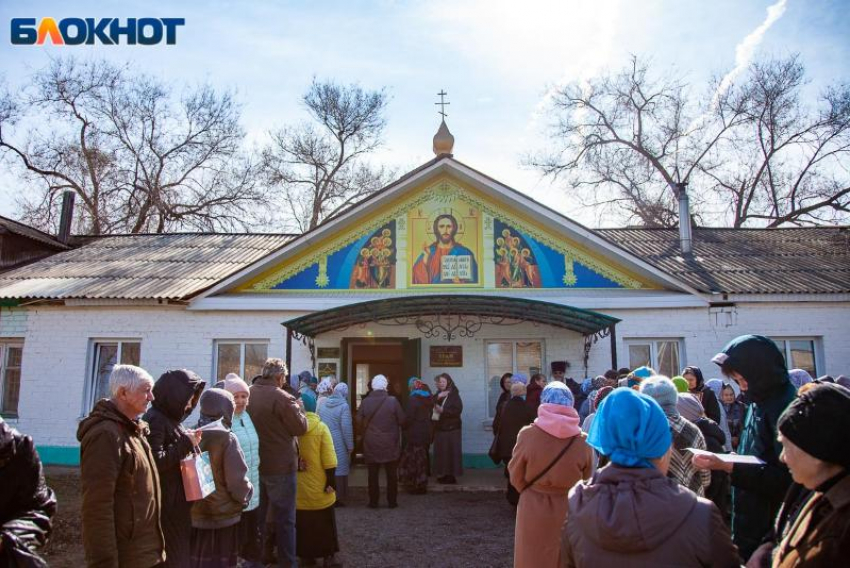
(379, 382)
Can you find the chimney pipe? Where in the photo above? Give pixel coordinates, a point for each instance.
(685, 231)
(67, 216)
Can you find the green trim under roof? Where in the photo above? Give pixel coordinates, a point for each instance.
(585, 322)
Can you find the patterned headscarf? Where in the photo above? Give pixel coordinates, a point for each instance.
(799, 377)
(557, 392)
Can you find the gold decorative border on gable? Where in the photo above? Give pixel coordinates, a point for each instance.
(442, 192)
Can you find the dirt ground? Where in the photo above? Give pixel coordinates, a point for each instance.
(437, 529)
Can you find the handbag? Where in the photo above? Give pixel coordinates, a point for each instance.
(493, 451)
(551, 465)
(196, 471)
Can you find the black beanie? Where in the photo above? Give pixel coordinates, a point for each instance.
(818, 421)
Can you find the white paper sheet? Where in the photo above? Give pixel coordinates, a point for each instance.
(728, 458)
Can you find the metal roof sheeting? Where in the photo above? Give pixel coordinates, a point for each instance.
(165, 267)
(748, 261)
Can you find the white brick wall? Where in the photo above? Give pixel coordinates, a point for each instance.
(58, 339)
(13, 322)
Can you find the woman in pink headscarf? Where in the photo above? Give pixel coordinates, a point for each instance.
(550, 456)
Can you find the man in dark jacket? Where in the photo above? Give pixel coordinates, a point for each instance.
(759, 368)
(176, 394)
(279, 420)
(27, 504)
(118, 478)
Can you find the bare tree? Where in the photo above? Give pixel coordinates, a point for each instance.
(787, 163)
(321, 166)
(625, 141)
(139, 158)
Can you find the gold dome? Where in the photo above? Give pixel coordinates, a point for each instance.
(443, 140)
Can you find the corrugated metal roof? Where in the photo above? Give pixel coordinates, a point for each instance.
(748, 261)
(22, 230)
(167, 267)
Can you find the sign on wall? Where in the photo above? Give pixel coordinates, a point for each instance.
(446, 356)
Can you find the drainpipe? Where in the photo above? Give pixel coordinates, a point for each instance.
(685, 231)
(67, 216)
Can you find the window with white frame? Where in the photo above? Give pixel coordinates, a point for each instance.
(10, 374)
(245, 358)
(800, 353)
(106, 353)
(663, 355)
(510, 357)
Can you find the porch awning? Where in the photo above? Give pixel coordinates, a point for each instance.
(411, 308)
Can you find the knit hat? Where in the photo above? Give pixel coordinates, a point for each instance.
(557, 392)
(681, 383)
(235, 384)
(799, 377)
(823, 409)
(310, 401)
(599, 397)
(663, 391)
(643, 372)
(690, 408)
(520, 378)
(630, 428)
(379, 382)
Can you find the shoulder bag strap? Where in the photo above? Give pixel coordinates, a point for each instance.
(368, 421)
(551, 465)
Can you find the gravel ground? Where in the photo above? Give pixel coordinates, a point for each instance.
(437, 529)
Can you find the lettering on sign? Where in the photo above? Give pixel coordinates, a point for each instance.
(446, 356)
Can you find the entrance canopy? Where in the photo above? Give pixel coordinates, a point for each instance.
(419, 310)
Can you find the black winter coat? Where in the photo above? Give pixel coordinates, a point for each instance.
(27, 504)
(758, 491)
(452, 409)
(705, 395)
(417, 427)
(718, 490)
(515, 416)
(500, 407)
(169, 444)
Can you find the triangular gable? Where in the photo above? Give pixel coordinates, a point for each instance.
(494, 239)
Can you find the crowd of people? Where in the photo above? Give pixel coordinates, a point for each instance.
(629, 468)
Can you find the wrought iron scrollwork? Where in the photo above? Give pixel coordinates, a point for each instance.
(449, 326)
(310, 342)
(590, 340)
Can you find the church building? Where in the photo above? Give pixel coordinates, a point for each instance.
(444, 270)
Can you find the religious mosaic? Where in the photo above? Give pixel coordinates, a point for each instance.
(444, 243)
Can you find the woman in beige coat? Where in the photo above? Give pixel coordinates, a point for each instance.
(550, 456)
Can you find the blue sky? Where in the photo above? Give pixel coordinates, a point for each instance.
(496, 60)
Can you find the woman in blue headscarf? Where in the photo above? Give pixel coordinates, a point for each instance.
(550, 456)
(414, 464)
(630, 512)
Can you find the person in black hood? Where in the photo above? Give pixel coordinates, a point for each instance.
(706, 396)
(27, 504)
(758, 366)
(176, 394)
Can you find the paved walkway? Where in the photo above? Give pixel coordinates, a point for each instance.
(471, 480)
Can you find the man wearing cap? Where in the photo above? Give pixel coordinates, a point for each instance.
(759, 368)
(813, 526)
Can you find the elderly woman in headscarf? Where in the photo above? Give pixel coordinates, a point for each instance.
(215, 519)
(698, 388)
(413, 466)
(336, 414)
(799, 377)
(504, 384)
(550, 456)
(381, 417)
(631, 513)
(516, 416)
(323, 391)
(448, 439)
(315, 520)
(716, 386)
(250, 546)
